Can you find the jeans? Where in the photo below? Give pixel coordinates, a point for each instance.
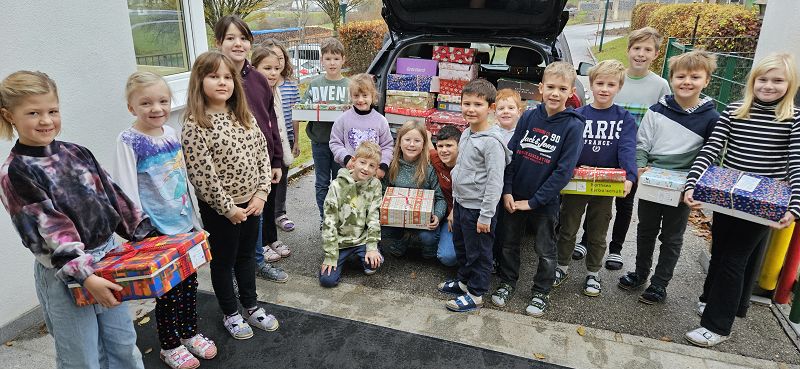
(622, 222)
(598, 217)
(325, 169)
(280, 189)
(332, 279)
(473, 249)
(544, 228)
(671, 221)
(267, 230)
(91, 336)
(396, 240)
(446, 252)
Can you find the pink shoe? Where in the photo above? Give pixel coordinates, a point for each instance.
(280, 248)
(201, 347)
(179, 358)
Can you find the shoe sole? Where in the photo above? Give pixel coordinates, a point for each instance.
(188, 367)
(242, 337)
(534, 315)
(649, 302)
(498, 305)
(277, 325)
(559, 282)
(468, 310)
(629, 288)
(591, 294)
(273, 280)
(609, 267)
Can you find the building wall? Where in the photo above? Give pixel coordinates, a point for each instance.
(780, 31)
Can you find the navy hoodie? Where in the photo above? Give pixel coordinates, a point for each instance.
(609, 139)
(544, 154)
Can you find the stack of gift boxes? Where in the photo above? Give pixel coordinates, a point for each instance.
(596, 182)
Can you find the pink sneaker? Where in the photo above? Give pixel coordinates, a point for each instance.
(200, 346)
(179, 358)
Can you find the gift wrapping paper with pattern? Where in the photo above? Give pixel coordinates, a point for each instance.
(527, 89)
(457, 66)
(599, 174)
(410, 99)
(445, 106)
(594, 188)
(455, 99)
(454, 54)
(662, 186)
(762, 197)
(193, 249)
(422, 113)
(407, 207)
(424, 67)
(318, 112)
(459, 74)
(434, 128)
(409, 82)
(451, 87)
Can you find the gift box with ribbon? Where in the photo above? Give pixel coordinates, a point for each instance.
(410, 99)
(454, 54)
(599, 174)
(662, 186)
(743, 195)
(409, 82)
(409, 112)
(407, 207)
(425, 67)
(318, 112)
(451, 87)
(447, 71)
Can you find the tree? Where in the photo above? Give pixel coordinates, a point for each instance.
(216, 9)
(331, 8)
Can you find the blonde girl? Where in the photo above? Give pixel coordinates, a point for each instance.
(228, 165)
(150, 169)
(758, 135)
(411, 168)
(66, 210)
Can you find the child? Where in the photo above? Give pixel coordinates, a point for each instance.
(330, 88)
(443, 159)
(545, 149)
(233, 39)
(609, 140)
(477, 186)
(361, 124)
(509, 108)
(66, 210)
(671, 135)
(290, 95)
(150, 168)
(410, 168)
(641, 89)
(352, 216)
(228, 165)
(755, 135)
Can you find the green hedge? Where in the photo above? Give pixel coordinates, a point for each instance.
(361, 41)
(640, 15)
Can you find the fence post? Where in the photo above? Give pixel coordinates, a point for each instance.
(667, 55)
(727, 77)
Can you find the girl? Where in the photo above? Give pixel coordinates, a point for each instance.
(509, 108)
(757, 135)
(411, 168)
(233, 38)
(290, 95)
(227, 163)
(362, 123)
(150, 168)
(66, 210)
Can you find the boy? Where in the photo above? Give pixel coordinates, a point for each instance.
(609, 140)
(641, 89)
(352, 216)
(443, 159)
(545, 148)
(330, 88)
(672, 133)
(477, 186)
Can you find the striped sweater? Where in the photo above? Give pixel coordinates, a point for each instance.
(290, 95)
(759, 145)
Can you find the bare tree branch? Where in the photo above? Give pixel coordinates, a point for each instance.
(216, 9)
(331, 8)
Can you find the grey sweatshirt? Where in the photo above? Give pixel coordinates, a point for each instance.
(478, 174)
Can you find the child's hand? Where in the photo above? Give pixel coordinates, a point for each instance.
(254, 207)
(238, 216)
(786, 221)
(276, 175)
(381, 173)
(642, 170)
(434, 222)
(508, 202)
(484, 228)
(450, 221)
(350, 164)
(689, 200)
(628, 187)
(373, 259)
(101, 288)
(522, 205)
(327, 269)
(296, 150)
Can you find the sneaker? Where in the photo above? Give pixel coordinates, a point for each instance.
(179, 358)
(560, 277)
(579, 253)
(452, 287)
(271, 273)
(261, 320)
(463, 304)
(701, 307)
(704, 338)
(237, 327)
(653, 295)
(631, 281)
(503, 293)
(614, 261)
(538, 304)
(200, 346)
(592, 286)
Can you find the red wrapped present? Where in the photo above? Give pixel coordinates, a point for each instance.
(437, 120)
(408, 111)
(451, 87)
(599, 174)
(454, 54)
(407, 207)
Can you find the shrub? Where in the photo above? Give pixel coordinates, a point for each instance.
(640, 15)
(362, 40)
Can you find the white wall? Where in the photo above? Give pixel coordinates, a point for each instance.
(780, 31)
(87, 48)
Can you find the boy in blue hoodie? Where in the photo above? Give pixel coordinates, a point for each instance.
(477, 185)
(670, 137)
(545, 148)
(609, 141)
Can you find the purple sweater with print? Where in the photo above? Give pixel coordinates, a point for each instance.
(354, 127)
(62, 204)
(260, 102)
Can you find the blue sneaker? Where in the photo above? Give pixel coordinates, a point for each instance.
(452, 287)
(463, 304)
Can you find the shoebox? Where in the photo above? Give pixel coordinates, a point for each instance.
(454, 54)
(408, 112)
(662, 186)
(409, 82)
(410, 99)
(743, 195)
(594, 188)
(437, 120)
(318, 112)
(422, 67)
(599, 174)
(446, 106)
(149, 268)
(527, 90)
(458, 72)
(451, 87)
(454, 99)
(407, 208)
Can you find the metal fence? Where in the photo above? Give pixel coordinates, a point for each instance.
(177, 60)
(304, 51)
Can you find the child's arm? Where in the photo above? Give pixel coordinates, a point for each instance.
(794, 171)
(495, 159)
(626, 150)
(330, 224)
(439, 203)
(386, 142)
(565, 167)
(124, 171)
(711, 149)
(256, 204)
(201, 172)
(644, 139)
(513, 145)
(337, 141)
(375, 194)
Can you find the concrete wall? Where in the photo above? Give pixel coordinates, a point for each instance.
(780, 31)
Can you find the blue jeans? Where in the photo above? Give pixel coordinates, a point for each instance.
(325, 169)
(396, 240)
(91, 336)
(332, 279)
(446, 253)
(473, 249)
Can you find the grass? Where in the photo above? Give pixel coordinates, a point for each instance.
(305, 146)
(580, 17)
(616, 49)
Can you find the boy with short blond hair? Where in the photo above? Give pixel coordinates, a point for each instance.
(351, 225)
(545, 148)
(609, 141)
(670, 137)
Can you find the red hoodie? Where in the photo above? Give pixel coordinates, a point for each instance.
(443, 172)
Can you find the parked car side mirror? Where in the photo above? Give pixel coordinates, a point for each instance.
(583, 68)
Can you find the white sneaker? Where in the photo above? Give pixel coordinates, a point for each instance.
(237, 327)
(592, 286)
(179, 358)
(701, 307)
(704, 338)
(261, 320)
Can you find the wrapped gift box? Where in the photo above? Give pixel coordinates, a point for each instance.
(410, 99)
(409, 82)
(423, 67)
(409, 112)
(445, 106)
(468, 74)
(407, 207)
(451, 87)
(318, 112)
(662, 186)
(437, 120)
(434, 84)
(455, 99)
(527, 89)
(599, 174)
(454, 54)
(594, 188)
(456, 66)
(193, 249)
(742, 195)
(434, 128)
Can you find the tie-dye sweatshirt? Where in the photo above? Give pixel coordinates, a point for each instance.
(62, 204)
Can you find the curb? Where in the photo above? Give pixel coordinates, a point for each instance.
(300, 170)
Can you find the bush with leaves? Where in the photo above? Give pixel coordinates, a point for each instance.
(361, 40)
(640, 15)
